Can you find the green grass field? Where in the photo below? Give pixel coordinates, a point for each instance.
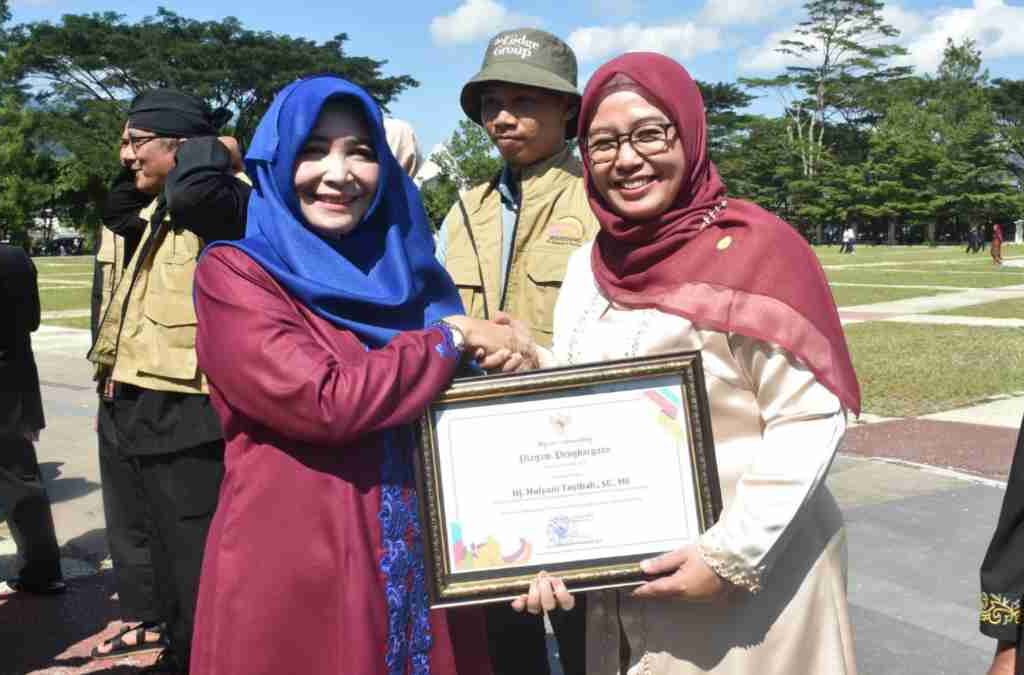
(955, 276)
(65, 285)
(62, 299)
(905, 369)
(914, 369)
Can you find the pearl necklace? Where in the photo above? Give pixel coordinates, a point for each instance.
(595, 309)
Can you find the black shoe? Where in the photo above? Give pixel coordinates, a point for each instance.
(12, 586)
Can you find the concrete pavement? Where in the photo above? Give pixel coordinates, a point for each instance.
(916, 534)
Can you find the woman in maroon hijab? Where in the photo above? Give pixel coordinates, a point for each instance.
(679, 264)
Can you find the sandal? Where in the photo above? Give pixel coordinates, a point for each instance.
(119, 648)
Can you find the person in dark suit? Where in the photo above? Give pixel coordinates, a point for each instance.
(23, 498)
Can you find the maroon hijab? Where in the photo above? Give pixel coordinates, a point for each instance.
(746, 271)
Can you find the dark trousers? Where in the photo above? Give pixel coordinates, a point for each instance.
(181, 491)
(129, 528)
(518, 645)
(24, 501)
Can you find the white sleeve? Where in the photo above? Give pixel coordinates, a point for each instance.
(803, 425)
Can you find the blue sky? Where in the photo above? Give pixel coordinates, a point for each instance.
(441, 42)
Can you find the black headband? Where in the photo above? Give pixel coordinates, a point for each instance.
(171, 113)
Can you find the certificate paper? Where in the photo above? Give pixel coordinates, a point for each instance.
(553, 479)
(581, 471)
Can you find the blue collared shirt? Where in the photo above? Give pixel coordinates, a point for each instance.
(508, 188)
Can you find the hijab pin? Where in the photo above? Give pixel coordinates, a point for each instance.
(724, 243)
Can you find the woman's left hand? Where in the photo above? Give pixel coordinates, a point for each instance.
(689, 577)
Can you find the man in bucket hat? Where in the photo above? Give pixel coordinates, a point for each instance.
(506, 244)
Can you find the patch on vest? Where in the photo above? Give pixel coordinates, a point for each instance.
(565, 231)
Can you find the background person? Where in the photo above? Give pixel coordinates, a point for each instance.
(128, 528)
(145, 344)
(506, 244)
(404, 145)
(849, 240)
(325, 332)
(997, 244)
(680, 265)
(23, 499)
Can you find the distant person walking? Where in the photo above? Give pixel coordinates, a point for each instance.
(974, 240)
(849, 240)
(23, 499)
(997, 244)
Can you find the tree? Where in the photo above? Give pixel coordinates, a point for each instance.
(100, 57)
(86, 68)
(971, 178)
(726, 126)
(762, 166)
(844, 46)
(467, 160)
(897, 182)
(1007, 100)
(24, 175)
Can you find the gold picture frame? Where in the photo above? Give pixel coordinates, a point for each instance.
(449, 586)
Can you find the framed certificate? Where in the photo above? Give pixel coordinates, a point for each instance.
(581, 471)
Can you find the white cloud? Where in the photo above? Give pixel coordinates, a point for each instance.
(907, 22)
(739, 12)
(681, 40)
(765, 58)
(476, 20)
(993, 24)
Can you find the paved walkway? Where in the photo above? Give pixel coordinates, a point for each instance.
(1008, 261)
(918, 309)
(937, 303)
(920, 497)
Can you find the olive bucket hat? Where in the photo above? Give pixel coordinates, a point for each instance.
(525, 56)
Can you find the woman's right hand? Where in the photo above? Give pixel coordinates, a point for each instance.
(496, 346)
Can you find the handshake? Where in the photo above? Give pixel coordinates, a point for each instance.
(502, 344)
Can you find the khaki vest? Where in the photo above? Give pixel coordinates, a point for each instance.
(154, 346)
(554, 220)
(110, 258)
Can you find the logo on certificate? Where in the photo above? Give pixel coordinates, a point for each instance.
(559, 530)
(560, 423)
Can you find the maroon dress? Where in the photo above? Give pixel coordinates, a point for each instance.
(309, 566)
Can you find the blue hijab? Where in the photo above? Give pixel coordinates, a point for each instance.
(378, 280)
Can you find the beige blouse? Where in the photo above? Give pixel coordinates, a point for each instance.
(776, 428)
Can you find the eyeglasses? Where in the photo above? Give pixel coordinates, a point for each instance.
(646, 140)
(136, 143)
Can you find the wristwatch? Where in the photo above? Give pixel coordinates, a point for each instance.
(458, 337)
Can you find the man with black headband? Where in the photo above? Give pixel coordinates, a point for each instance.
(161, 445)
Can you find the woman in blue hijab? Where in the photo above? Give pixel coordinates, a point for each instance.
(324, 333)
